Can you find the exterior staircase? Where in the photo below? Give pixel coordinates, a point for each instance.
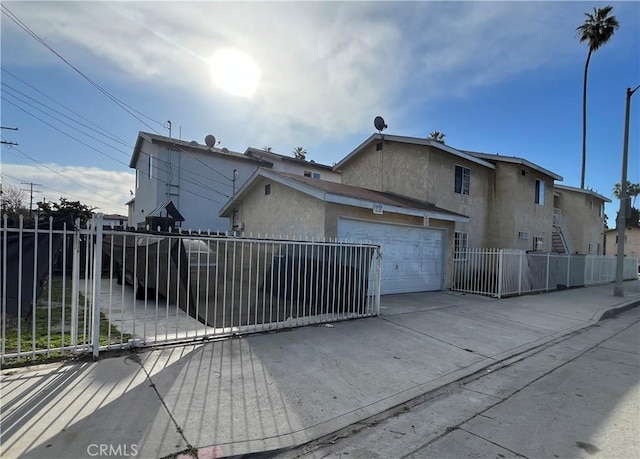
(560, 239)
(556, 243)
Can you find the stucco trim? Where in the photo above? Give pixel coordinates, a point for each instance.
(412, 141)
(515, 160)
(580, 190)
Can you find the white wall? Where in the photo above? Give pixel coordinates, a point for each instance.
(198, 182)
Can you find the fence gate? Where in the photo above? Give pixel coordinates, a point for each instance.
(68, 290)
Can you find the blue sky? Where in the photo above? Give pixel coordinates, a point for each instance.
(496, 77)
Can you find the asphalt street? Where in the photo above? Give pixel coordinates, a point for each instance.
(576, 397)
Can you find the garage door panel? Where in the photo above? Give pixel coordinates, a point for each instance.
(411, 256)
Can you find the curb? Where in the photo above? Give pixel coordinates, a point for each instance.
(612, 312)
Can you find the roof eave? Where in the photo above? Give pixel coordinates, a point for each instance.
(414, 141)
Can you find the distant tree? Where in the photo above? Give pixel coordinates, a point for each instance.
(65, 209)
(437, 136)
(632, 191)
(299, 153)
(266, 148)
(12, 202)
(596, 30)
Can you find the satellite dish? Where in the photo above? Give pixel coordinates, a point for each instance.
(225, 150)
(193, 143)
(210, 140)
(378, 122)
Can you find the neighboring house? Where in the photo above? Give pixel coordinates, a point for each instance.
(477, 199)
(631, 242)
(417, 236)
(579, 218)
(292, 165)
(115, 220)
(195, 178)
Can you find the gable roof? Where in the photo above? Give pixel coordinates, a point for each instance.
(581, 190)
(261, 154)
(340, 193)
(413, 141)
(514, 160)
(187, 147)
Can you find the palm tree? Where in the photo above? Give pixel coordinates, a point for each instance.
(266, 148)
(437, 136)
(597, 29)
(299, 153)
(633, 190)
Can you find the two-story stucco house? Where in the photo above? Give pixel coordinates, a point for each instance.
(451, 200)
(197, 179)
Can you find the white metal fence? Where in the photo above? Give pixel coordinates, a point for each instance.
(77, 290)
(503, 272)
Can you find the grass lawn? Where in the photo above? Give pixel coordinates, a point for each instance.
(58, 334)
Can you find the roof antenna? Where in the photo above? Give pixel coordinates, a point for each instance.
(168, 126)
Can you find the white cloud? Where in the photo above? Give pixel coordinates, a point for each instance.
(106, 190)
(327, 68)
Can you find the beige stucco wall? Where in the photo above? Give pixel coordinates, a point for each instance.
(426, 174)
(581, 216)
(284, 212)
(631, 245)
(513, 208)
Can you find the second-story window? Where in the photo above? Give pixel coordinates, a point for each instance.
(150, 167)
(462, 180)
(539, 196)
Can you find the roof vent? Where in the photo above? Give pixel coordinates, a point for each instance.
(193, 143)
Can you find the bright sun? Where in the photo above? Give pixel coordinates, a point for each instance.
(235, 72)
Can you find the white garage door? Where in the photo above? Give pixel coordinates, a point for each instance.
(412, 256)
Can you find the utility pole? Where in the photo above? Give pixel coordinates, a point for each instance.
(31, 191)
(618, 289)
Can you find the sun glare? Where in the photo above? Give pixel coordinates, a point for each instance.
(235, 72)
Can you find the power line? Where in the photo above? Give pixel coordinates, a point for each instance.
(64, 122)
(112, 147)
(97, 126)
(113, 98)
(92, 188)
(109, 136)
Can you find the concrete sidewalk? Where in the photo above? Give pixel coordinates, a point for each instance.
(277, 390)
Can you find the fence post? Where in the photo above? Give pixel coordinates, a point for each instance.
(548, 257)
(500, 259)
(75, 287)
(520, 273)
(97, 280)
(378, 279)
(568, 270)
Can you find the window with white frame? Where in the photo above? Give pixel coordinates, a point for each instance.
(539, 196)
(137, 179)
(150, 167)
(460, 245)
(590, 247)
(462, 180)
(538, 243)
